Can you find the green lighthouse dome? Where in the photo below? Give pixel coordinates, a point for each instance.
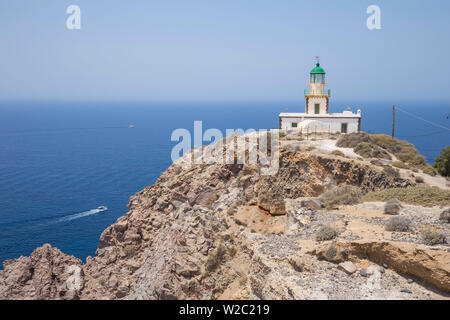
(317, 69)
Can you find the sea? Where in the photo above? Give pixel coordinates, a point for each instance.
(60, 161)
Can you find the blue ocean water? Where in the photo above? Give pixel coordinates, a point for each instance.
(61, 160)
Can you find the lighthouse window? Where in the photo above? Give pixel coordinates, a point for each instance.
(294, 124)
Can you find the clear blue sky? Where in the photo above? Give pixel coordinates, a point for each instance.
(223, 49)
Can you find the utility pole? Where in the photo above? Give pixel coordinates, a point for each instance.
(393, 121)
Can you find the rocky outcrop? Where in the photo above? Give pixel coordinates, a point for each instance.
(46, 274)
(430, 265)
(213, 231)
(305, 175)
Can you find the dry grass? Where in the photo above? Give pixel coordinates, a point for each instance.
(399, 164)
(378, 146)
(338, 153)
(369, 150)
(430, 171)
(418, 195)
(342, 195)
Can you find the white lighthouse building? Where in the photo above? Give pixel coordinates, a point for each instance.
(316, 117)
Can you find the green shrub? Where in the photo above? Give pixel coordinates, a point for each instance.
(442, 162)
(215, 259)
(325, 233)
(445, 216)
(432, 236)
(351, 140)
(342, 195)
(399, 164)
(369, 150)
(419, 179)
(418, 195)
(398, 224)
(430, 171)
(338, 153)
(376, 145)
(391, 171)
(282, 134)
(331, 252)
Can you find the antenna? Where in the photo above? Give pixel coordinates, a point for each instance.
(318, 59)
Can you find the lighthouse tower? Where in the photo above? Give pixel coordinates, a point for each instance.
(317, 96)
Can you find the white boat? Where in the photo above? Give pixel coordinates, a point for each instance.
(131, 126)
(102, 208)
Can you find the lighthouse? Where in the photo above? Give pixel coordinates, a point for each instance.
(316, 117)
(316, 95)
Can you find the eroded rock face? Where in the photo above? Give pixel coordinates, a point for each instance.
(306, 175)
(166, 246)
(46, 274)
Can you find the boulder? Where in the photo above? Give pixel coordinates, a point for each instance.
(348, 267)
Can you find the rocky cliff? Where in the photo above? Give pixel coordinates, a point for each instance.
(217, 231)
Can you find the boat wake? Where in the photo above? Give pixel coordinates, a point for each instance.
(81, 214)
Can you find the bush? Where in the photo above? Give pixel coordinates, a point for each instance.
(351, 140)
(398, 224)
(369, 150)
(390, 171)
(430, 171)
(419, 179)
(399, 164)
(392, 207)
(325, 233)
(338, 153)
(442, 162)
(215, 259)
(377, 145)
(282, 134)
(431, 236)
(445, 216)
(331, 252)
(418, 195)
(342, 195)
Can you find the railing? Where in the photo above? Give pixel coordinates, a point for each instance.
(318, 92)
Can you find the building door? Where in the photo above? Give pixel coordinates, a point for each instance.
(317, 108)
(344, 127)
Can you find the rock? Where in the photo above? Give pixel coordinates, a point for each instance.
(392, 207)
(348, 267)
(429, 265)
(46, 274)
(363, 272)
(406, 291)
(75, 281)
(410, 280)
(122, 291)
